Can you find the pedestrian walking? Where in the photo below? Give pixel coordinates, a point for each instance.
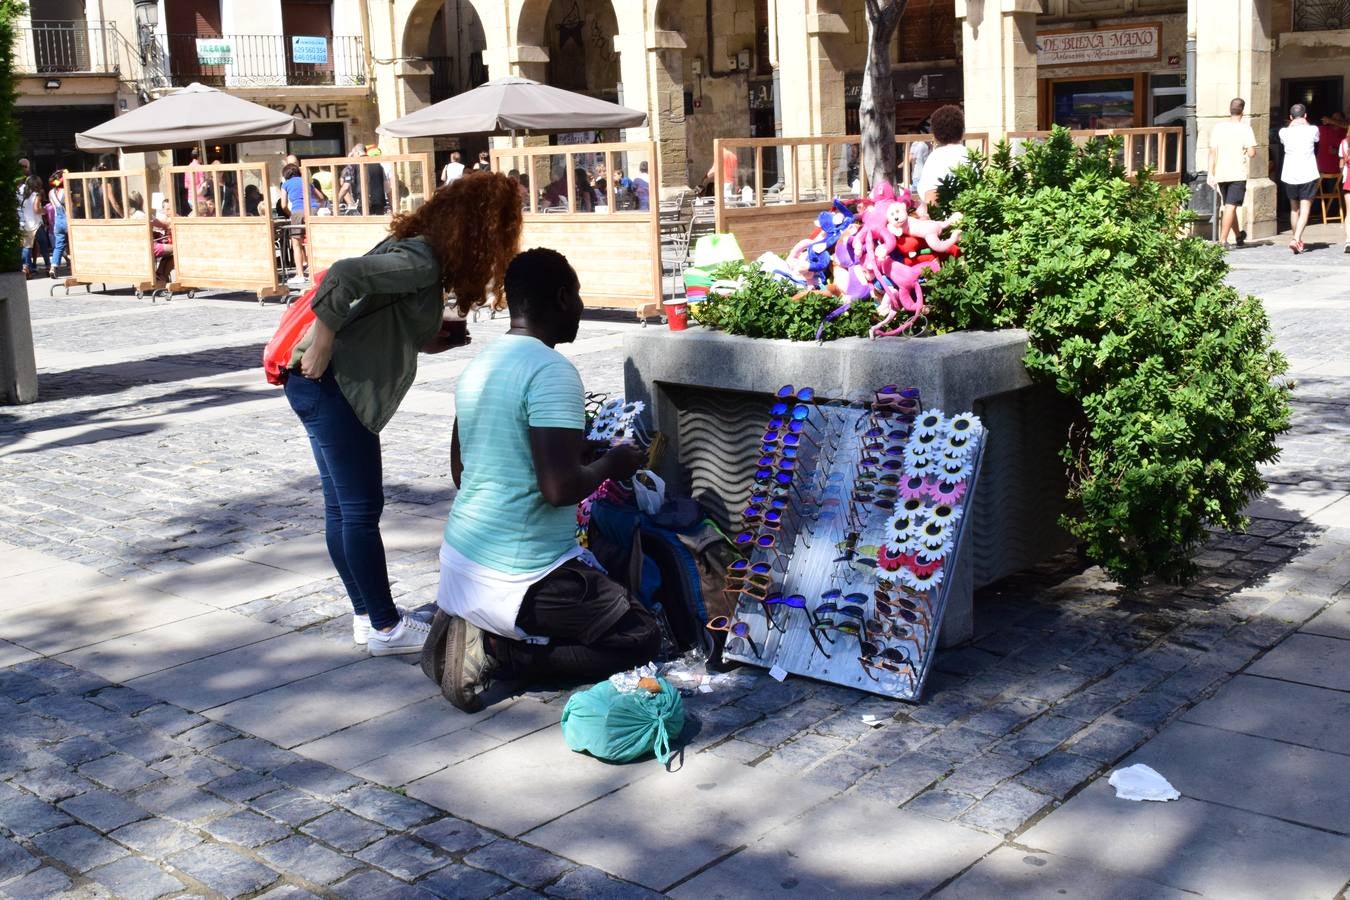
(60, 225)
(351, 371)
(1299, 172)
(1231, 144)
(31, 199)
(1343, 157)
(453, 171)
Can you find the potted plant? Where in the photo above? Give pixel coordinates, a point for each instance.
(18, 373)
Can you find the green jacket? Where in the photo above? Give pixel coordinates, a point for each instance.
(383, 306)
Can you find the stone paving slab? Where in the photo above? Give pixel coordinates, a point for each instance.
(1308, 659)
(844, 847)
(56, 582)
(1292, 502)
(1295, 713)
(309, 708)
(243, 672)
(375, 737)
(547, 781)
(1196, 846)
(1276, 779)
(166, 646)
(658, 831)
(16, 561)
(68, 622)
(305, 556)
(11, 654)
(1010, 873)
(228, 581)
(1334, 621)
(408, 764)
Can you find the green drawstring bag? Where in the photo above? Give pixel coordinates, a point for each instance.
(623, 727)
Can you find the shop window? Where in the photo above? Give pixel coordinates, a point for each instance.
(1094, 103)
(328, 139)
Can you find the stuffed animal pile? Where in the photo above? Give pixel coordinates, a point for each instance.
(875, 250)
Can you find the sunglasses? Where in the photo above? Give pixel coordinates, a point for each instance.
(769, 475)
(893, 630)
(888, 659)
(791, 601)
(775, 461)
(733, 629)
(805, 395)
(786, 451)
(748, 539)
(874, 462)
(895, 392)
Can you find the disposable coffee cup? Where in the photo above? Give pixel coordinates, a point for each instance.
(677, 314)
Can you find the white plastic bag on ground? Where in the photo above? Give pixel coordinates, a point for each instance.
(1139, 782)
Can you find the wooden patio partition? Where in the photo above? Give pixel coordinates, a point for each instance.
(781, 184)
(612, 237)
(109, 243)
(223, 231)
(351, 221)
(1158, 148)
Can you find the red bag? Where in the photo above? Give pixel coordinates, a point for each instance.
(294, 325)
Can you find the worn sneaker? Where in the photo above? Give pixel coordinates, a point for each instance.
(360, 629)
(468, 666)
(407, 636)
(1242, 238)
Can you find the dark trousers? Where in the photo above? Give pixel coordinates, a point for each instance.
(595, 627)
(350, 471)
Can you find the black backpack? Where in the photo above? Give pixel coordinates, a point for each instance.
(675, 563)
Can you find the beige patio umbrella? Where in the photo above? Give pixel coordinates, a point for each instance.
(194, 115)
(509, 105)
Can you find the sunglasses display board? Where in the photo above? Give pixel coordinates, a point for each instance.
(850, 538)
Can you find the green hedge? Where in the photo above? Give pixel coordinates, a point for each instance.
(1180, 391)
(763, 307)
(9, 138)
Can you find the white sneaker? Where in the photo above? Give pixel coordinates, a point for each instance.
(407, 636)
(360, 629)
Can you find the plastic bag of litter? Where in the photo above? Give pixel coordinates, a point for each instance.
(622, 727)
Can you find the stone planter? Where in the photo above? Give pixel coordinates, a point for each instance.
(709, 393)
(18, 370)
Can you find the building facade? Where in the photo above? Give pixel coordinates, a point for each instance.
(702, 69)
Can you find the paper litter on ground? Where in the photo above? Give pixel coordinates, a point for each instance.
(1139, 782)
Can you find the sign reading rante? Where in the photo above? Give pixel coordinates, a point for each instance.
(1099, 45)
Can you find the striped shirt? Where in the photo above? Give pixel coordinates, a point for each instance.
(500, 519)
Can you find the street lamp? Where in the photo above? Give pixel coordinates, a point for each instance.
(147, 20)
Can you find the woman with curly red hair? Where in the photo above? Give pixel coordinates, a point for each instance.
(373, 314)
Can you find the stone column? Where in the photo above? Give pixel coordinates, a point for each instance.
(665, 76)
(1233, 46)
(998, 39)
(18, 370)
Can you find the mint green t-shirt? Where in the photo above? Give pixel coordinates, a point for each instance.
(500, 519)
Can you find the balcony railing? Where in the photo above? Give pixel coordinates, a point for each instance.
(263, 60)
(69, 47)
(1321, 15)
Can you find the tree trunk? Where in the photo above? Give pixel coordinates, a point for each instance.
(876, 113)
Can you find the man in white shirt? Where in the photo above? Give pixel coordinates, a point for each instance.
(1231, 145)
(453, 170)
(1299, 172)
(949, 127)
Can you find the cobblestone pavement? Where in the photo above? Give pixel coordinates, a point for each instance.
(185, 713)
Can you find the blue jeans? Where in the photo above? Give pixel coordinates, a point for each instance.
(59, 245)
(350, 471)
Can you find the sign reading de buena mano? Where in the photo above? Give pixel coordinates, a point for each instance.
(1099, 45)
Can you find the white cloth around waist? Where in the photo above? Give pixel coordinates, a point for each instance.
(491, 599)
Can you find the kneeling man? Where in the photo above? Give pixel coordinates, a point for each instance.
(518, 596)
